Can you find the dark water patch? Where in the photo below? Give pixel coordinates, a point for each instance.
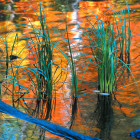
(74, 110)
(104, 116)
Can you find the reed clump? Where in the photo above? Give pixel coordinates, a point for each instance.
(109, 45)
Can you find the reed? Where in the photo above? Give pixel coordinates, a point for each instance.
(8, 61)
(73, 69)
(106, 58)
(108, 43)
(122, 24)
(42, 49)
(40, 46)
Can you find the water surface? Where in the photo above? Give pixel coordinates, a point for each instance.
(123, 116)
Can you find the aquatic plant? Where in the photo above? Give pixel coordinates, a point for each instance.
(8, 60)
(107, 45)
(41, 73)
(41, 48)
(73, 69)
(122, 25)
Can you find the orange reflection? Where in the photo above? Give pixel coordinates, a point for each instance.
(55, 19)
(90, 11)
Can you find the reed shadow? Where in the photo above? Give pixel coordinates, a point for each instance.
(103, 115)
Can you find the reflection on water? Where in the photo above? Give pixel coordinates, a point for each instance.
(104, 116)
(90, 116)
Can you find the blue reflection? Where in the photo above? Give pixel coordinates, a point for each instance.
(8, 132)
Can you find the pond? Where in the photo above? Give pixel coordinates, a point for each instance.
(69, 25)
